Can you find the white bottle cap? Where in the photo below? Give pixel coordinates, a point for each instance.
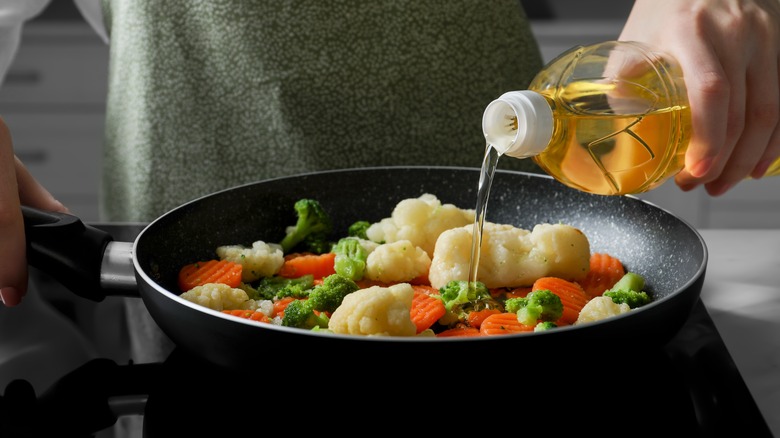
(518, 123)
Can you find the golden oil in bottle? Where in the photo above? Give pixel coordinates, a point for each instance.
(611, 118)
(615, 154)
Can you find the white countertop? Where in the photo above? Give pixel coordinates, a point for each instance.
(742, 295)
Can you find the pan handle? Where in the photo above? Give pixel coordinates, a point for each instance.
(62, 246)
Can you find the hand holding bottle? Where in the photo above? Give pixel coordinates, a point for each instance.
(729, 51)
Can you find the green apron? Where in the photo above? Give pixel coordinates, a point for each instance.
(205, 95)
(209, 94)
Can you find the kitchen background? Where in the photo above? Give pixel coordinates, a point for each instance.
(53, 98)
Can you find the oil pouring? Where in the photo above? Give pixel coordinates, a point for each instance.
(610, 118)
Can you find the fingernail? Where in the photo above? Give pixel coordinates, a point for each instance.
(760, 169)
(687, 187)
(9, 296)
(701, 168)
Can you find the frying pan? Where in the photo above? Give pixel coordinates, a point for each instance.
(650, 241)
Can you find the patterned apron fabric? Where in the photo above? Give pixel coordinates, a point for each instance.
(207, 95)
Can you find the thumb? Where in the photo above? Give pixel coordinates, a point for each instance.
(13, 269)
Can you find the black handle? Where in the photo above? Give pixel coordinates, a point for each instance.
(62, 246)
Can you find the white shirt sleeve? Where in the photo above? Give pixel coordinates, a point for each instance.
(93, 14)
(13, 14)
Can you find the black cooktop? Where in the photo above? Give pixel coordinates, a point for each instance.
(690, 387)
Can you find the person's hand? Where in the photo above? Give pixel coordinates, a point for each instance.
(17, 187)
(729, 51)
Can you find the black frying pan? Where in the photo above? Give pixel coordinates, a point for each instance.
(667, 251)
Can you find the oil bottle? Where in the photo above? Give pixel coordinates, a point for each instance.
(610, 118)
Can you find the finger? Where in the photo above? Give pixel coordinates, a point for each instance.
(761, 119)
(716, 108)
(769, 164)
(32, 193)
(770, 159)
(13, 269)
(758, 40)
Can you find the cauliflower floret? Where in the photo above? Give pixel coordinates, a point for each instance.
(368, 245)
(599, 308)
(261, 260)
(397, 262)
(378, 311)
(511, 256)
(420, 221)
(218, 296)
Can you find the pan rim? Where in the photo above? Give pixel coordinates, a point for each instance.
(159, 289)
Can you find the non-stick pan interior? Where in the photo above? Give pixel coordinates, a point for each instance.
(649, 240)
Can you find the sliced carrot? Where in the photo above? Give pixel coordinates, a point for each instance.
(280, 305)
(426, 289)
(497, 292)
(519, 292)
(421, 280)
(605, 271)
(300, 264)
(503, 324)
(475, 318)
(460, 332)
(572, 296)
(211, 271)
(426, 309)
(254, 315)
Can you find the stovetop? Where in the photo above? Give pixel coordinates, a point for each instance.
(690, 387)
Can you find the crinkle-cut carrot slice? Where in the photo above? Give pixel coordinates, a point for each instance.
(475, 318)
(503, 324)
(426, 308)
(459, 332)
(300, 264)
(254, 315)
(605, 271)
(519, 292)
(572, 296)
(211, 271)
(281, 304)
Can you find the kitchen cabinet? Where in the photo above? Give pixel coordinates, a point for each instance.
(53, 101)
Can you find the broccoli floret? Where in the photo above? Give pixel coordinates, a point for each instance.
(301, 314)
(458, 292)
(350, 258)
(630, 281)
(312, 229)
(633, 298)
(545, 325)
(358, 229)
(460, 298)
(317, 244)
(328, 296)
(538, 305)
(629, 290)
(293, 290)
(280, 287)
(512, 305)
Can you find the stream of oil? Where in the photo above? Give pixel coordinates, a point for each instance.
(487, 171)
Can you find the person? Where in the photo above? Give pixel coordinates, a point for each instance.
(208, 95)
